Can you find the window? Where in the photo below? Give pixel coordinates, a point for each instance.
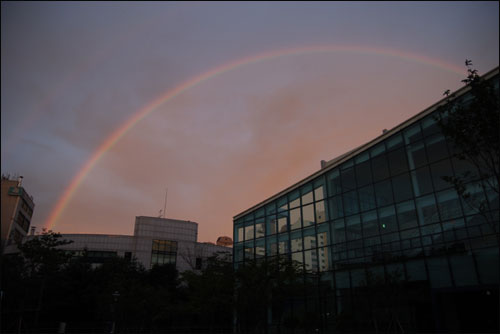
(309, 238)
(311, 260)
(394, 142)
(476, 198)
(271, 246)
(416, 155)
(298, 257)
(366, 198)
(320, 212)
(259, 228)
(462, 267)
(294, 199)
(439, 274)
(163, 252)
(463, 166)
(336, 210)
(240, 233)
(249, 235)
(429, 126)
(295, 219)
(238, 253)
(426, 210)
(334, 185)
(282, 224)
(380, 168)
(23, 222)
(323, 235)
(271, 225)
(407, 215)
(397, 161)
(338, 231)
(27, 208)
(387, 219)
(260, 249)
(271, 208)
(402, 187)
(296, 241)
(324, 259)
(348, 179)
(364, 173)
(283, 244)
(421, 179)
(412, 134)
(307, 194)
(319, 189)
(383, 193)
(351, 203)
(353, 227)
(308, 215)
(449, 204)
(370, 223)
(440, 170)
(342, 280)
(436, 147)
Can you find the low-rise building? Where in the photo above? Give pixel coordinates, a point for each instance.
(155, 241)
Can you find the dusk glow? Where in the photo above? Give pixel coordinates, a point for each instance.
(105, 105)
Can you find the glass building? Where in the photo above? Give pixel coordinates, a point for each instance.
(382, 239)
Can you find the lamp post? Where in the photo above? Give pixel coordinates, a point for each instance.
(115, 295)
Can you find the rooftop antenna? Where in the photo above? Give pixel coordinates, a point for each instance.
(162, 213)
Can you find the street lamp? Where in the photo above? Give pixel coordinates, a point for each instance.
(115, 295)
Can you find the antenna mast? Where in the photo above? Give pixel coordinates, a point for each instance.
(165, 205)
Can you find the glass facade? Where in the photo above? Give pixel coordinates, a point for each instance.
(385, 214)
(163, 252)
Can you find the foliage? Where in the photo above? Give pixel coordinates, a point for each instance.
(472, 124)
(264, 287)
(42, 254)
(210, 292)
(43, 286)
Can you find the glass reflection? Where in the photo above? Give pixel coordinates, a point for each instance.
(249, 232)
(309, 238)
(308, 215)
(295, 219)
(320, 212)
(296, 241)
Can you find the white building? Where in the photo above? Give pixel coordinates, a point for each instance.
(155, 241)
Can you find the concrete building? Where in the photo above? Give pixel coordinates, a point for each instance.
(383, 239)
(155, 241)
(17, 210)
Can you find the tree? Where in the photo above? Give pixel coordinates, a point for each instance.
(210, 293)
(42, 259)
(472, 124)
(264, 290)
(42, 254)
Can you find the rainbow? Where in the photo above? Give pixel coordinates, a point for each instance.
(114, 137)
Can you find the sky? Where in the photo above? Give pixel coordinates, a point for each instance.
(106, 107)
